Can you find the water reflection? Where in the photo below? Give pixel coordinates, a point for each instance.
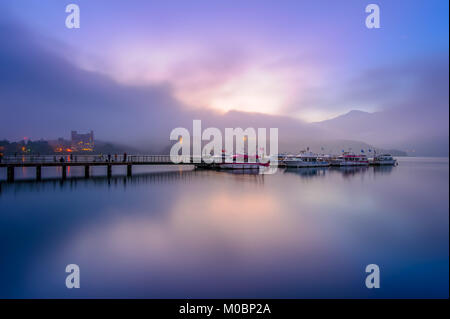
(241, 171)
(98, 181)
(349, 171)
(165, 177)
(307, 171)
(195, 233)
(387, 169)
(174, 175)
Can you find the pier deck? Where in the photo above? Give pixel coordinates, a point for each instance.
(64, 161)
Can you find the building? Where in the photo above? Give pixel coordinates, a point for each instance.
(82, 142)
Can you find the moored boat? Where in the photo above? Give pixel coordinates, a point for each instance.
(383, 159)
(242, 162)
(350, 159)
(305, 159)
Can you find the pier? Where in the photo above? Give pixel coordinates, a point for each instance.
(87, 161)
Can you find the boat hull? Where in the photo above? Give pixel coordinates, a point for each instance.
(242, 165)
(298, 164)
(350, 163)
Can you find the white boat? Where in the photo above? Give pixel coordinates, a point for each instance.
(350, 159)
(242, 162)
(305, 160)
(383, 159)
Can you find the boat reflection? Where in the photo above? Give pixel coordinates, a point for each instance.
(307, 171)
(349, 171)
(345, 171)
(383, 169)
(240, 171)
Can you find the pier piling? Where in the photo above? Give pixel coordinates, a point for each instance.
(64, 171)
(10, 173)
(38, 172)
(109, 170)
(86, 171)
(129, 170)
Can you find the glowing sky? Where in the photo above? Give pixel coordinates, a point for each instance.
(277, 57)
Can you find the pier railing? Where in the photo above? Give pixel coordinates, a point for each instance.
(65, 161)
(93, 159)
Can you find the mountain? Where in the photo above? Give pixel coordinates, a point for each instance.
(294, 135)
(398, 129)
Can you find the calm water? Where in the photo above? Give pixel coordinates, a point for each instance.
(185, 234)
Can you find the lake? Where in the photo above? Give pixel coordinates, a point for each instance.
(184, 233)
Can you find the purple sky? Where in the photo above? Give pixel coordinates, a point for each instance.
(148, 66)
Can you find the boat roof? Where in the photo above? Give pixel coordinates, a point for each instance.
(309, 154)
(353, 155)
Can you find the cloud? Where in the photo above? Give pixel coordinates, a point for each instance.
(412, 89)
(209, 76)
(43, 93)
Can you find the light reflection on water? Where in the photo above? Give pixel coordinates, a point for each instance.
(182, 233)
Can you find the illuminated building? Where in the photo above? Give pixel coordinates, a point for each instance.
(82, 142)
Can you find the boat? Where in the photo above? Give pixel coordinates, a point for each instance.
(281, 157)
(383, 159)
(241, 162)
(350, 159)
(305, 159)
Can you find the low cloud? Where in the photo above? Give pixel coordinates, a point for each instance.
(43, 94)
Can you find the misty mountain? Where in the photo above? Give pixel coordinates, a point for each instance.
(396, 128)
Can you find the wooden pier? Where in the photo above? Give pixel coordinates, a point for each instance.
(87, 161)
